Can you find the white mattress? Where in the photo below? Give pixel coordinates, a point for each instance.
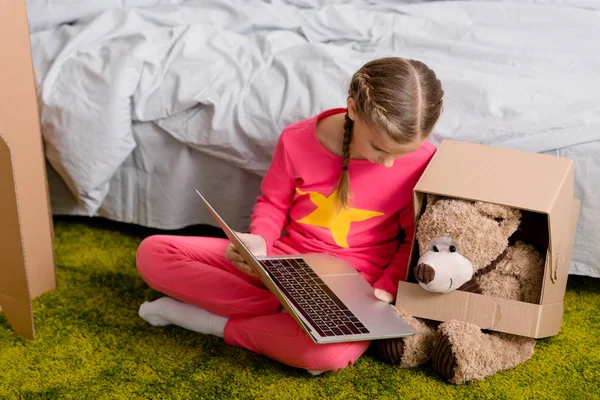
(224, 77)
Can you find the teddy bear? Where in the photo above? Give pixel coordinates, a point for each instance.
(466, 245)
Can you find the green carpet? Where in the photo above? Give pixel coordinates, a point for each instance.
(92, 344)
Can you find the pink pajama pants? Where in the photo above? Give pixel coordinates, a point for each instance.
(194, 270)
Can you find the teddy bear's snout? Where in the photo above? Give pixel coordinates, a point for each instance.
(424, 273)
(442, 271)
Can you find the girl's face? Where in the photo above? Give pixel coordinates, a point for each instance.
(375, 146)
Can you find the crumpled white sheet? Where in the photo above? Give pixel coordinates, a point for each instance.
(226, 76)
(47, 14)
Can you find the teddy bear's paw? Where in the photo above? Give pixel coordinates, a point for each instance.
(390, 351)
(410, 351)
(457, 347)
(464, 353)
(443, 357)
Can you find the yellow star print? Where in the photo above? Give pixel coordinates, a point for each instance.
(327, 215)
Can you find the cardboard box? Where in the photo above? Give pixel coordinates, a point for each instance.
(26, 250)
(541, 186)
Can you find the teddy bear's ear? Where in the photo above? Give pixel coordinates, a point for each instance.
(508, 218)
(432, 199)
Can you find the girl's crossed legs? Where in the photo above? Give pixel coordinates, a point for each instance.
(226, 302)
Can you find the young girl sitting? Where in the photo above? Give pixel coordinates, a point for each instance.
(339, 183)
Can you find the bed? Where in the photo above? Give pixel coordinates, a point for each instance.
(143, 101)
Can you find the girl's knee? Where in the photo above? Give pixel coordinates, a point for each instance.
(334, 357)
(148, 254)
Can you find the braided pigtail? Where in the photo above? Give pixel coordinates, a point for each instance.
(366, 89)
(343, 188)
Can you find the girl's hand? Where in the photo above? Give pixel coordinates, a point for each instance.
(384, 296)
(255, 243)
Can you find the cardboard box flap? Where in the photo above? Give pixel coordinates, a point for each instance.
(14, 286)
(14, 280)
(26, 251)
(501, 315)
(563, 226)
(20, 316)
(524, 180)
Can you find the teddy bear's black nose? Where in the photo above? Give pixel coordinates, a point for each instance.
(424, 273)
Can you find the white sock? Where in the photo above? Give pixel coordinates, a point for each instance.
(166, 310)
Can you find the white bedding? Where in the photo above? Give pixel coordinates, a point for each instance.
(154, 186)
(224, 77)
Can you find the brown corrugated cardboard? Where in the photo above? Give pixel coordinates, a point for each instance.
(26, 251)
(539, 185)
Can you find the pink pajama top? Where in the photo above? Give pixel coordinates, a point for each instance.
(297, 212)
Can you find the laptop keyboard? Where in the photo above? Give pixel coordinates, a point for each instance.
(313, 298)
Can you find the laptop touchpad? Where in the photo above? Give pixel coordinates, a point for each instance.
(324, 264)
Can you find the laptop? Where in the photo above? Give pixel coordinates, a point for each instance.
(330, 300)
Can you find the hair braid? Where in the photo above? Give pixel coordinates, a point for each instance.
(344, 184)
(368, 91)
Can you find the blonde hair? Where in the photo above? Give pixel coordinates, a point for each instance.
(401, 97)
